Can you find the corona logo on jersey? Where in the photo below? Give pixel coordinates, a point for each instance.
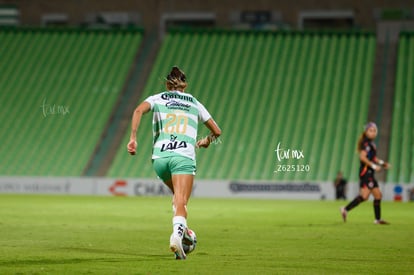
(168, 96)
(174, 103)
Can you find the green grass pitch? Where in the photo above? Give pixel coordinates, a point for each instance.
(113, 235)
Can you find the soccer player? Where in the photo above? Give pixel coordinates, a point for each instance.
(175, 121)
(369, 163)
(340, 186)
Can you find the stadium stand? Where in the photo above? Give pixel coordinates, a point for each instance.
(58, 88)
(402, 135)
(9, 15)
(306, 91)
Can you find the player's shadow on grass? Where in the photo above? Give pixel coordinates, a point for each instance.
(324, 225)
(132, 255)
(79, 260)
(46, 262)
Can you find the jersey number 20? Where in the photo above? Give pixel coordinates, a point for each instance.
(176, 124)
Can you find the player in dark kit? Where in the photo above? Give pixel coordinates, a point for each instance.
(369, 163)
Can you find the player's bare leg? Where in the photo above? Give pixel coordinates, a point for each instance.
(182, 186)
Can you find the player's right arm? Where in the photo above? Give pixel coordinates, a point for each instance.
(215, 132)
(142, 108)
(209, 122)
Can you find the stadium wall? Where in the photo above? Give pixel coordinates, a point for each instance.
(135, 187)
(150, 12)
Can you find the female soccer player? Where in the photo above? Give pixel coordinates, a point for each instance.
(369, 163)
(175, 121)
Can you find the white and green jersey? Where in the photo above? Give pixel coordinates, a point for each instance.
(175, 121)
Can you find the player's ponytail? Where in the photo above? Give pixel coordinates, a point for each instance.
(176, 80)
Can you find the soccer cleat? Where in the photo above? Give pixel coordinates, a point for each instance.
(381, 222)
(344, 213)
(176, 247)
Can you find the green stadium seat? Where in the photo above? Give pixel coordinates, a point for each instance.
(58, 88)
(401, 154)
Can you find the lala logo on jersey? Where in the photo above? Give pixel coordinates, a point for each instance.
(173, 144)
